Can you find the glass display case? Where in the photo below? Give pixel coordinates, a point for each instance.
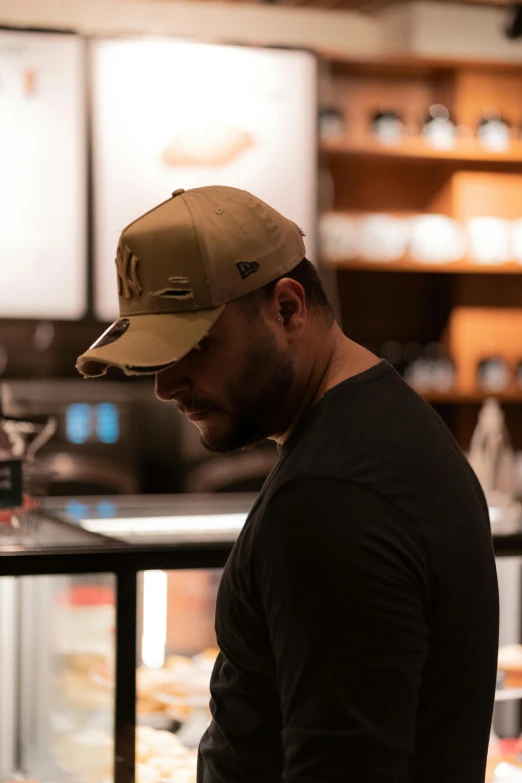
(108, 643)
(107, 627)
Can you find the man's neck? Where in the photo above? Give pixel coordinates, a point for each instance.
(347, 360)
(340, 360)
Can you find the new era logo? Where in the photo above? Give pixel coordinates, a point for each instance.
(247, 268)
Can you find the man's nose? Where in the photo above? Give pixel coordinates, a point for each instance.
(170, 382)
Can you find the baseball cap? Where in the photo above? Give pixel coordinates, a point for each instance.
(178, 266)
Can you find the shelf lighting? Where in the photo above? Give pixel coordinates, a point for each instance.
(208, 523)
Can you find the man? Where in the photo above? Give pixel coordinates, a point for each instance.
(357, 615)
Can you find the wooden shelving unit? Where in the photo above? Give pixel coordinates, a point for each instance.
(408, 264)
(417, 149)
(460, 304)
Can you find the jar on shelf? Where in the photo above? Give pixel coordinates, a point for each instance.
(383, 238)
(332, 123)
(493, 375)
(494, 131)
(338, 237)
(442, 368)
(430, 370)
(439, 129)
(387, 125)
(437, 239)
(490, 240)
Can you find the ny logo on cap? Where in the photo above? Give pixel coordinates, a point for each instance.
(247, 268)
(127, 278)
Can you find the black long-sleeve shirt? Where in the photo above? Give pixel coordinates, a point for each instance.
(357, 615)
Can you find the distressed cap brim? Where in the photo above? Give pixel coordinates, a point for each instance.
(144, 344)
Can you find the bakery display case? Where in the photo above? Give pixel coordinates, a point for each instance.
(107, 621)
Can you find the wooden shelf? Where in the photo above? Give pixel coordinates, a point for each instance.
(408, 264)
(472, 398)
(407, 64)
(415, 148)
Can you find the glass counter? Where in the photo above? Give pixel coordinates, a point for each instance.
(107, 626)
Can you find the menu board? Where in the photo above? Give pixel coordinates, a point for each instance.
(170, 114)
(42, 176)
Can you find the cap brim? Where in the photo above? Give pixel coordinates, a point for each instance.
(144, 344)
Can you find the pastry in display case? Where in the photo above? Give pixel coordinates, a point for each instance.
(83, 632)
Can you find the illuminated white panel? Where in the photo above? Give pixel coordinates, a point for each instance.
(170, 114)
(42, 176)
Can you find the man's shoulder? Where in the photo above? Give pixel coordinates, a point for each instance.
(310, 499)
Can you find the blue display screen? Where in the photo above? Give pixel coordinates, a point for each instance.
(106, 509)
(76, 510)
(83, 421)
(78, 422)
(107, 422)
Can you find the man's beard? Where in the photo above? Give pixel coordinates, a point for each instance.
(255, 399)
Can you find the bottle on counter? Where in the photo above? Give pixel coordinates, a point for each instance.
(491, 457)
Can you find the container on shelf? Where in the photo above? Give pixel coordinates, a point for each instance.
(493, 131)
(489, 240)
(332, 123)
(437, 239)
(383, 238)
(387, 125)
(439, 129)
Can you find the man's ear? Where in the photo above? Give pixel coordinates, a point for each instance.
(290, 301)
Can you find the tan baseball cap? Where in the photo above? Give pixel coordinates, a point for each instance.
(179, 264)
